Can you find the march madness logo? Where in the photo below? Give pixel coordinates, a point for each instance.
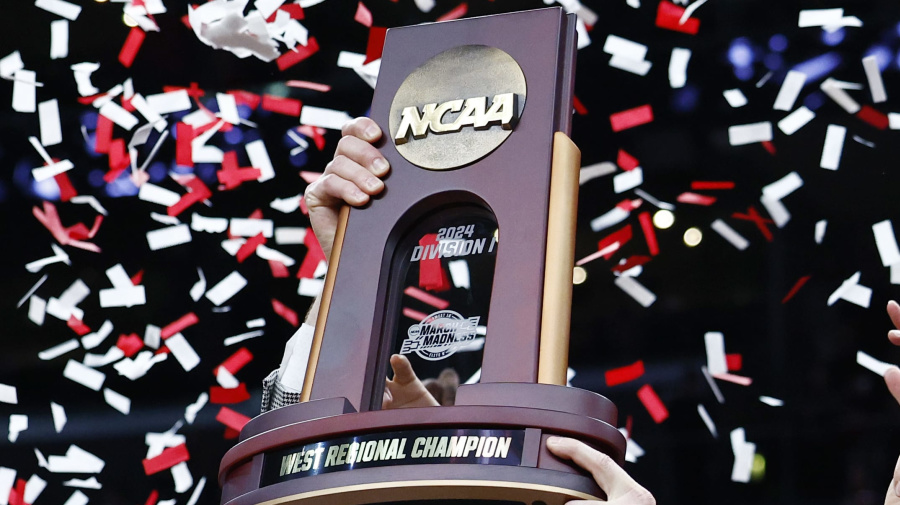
(440, 335)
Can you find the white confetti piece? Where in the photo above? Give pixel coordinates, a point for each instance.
(58, 350)
(873, 75)
(628, 180)
(886, 242)
(152, 336)
(740, 135)
(860, 140)
(228, 108)
(784, 186)
(835, 90)
(735, 97)
(199, 287)
(678, 67)
(17, 424)
(851, 291)
(77, 498)
(790, 90)
(86, 376)
(627, 55)
(796, 120)
(115, 113)
(310, 287)
(7, 481)
(425, 5)
(743, 456)
(59, 256)
(90, 200)
(286, 205)
(165, 219)
(243, 336)
(259, 158)
(197, 490)
(112, 355)
(59, 39)
(323, 118)
(123, 293)
(707, 420)
(82, 73)
(459, 273)
(47, 172)
(167, 103)
(37, 310)
(596, 170)
(159, 442)
(244, 227)
(76, 460)
(289, 235)
(59, 416)
(136, 368)
(894, 120)
(292, 370)
(155, 194)
(715, 352)
(33, 488)
(872, 364)
(92, 340)
(610, 218)
(91, 483)
(8, 394)
(183, 352)
(267, 253)
(819, 17)
(636, 290)
(190, 413)
(117, 401)
(61, 8)
(24, 91)
(226, 288)
(729, 234)
(226, 379)
(208, 224)
(259, 322)
(51, 131)
(12, 62)
(634, 66)
(183, 478)
(168, 237)
(820, 230)
(834, 146)
(772, 402)
(202, 153)
(734, 379)
(647, 196)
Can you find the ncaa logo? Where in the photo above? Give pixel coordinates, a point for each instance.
(440, 335)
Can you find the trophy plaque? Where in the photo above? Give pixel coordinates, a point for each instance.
(464, 266)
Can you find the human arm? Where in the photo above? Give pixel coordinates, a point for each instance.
(892, 379)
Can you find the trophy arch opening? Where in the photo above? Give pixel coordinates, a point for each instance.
(438, 277)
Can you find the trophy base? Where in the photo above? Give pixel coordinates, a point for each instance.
(489, 448)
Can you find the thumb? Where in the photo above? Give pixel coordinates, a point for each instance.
(892, 379)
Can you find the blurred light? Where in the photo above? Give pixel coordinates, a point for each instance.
(743, 73)
(814, 100)
(818, 67)
(122, 186)
(4, 192)
(692, 237)
(100, 1)
(663, 219)
(685, 99)
(882, 56)
(206, 172)
(758, 471)
(773, 61)
(157, 171)
(579, 275)
(740, 54)
(234, 136)
(95, 178)
(299, 160)
(46, 189)
(833, 38)
(778, 42)
(128, 20)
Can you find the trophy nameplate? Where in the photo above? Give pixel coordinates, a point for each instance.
(464, 262)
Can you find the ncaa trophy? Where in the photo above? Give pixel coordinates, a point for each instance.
(463, 265)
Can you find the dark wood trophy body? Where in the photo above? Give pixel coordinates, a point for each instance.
(464, 266)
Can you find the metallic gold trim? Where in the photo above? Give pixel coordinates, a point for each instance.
(325, 303)
(560, 261)
(433, 489)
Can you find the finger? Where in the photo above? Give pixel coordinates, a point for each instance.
(351, 170)
(893, 310)
(363, 153)
(363, 128)
(892, 379)
(894, 337)
(387, 398)
(403, 370)
(331, 189)
(609, 476)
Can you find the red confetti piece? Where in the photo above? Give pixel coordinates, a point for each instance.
(256, 214)
(631, 118)
(167, 459)
(73, 235)
(668, 16)
(769, 146)
(230, 433)
(631, 263)
(281, 105)
(428, 298)
(624, 374)
(797, 285)
(193, 91)
(66, 190)
(279, 269)
(432, 276)
(315, 86)
(376, 43)
(232, 175)
(629, 423)
(118, 156)
(127, 105)
(303, 208)
(237, 360)
(222, 396)
(179, 324)
(154, 496)
(455, 13)
(232, 419)
(622, 236)
(198, 193)
(17, 494)
(315, 133)
(137, 278)
(363, 16)
(652, 403)
(580, 109)
(132, 45)
(310, 177)
(626, 161)
(78, 326)
(629, 205)
(314, 255)
(285, 312)
(706, 185)
(414, 314)
(694, 198)
(649, 232)
(130, 344)
(734, 362)
(249, 247)
(246, 98)
(761, 222)
(736, 379)
(103, 135)
(874, 117)
(300, 53)
(184, 134)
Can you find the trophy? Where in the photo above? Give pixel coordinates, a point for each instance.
(463, 265)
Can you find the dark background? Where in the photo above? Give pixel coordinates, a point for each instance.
(835, 439)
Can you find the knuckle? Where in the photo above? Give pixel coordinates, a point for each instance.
(642, 497)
